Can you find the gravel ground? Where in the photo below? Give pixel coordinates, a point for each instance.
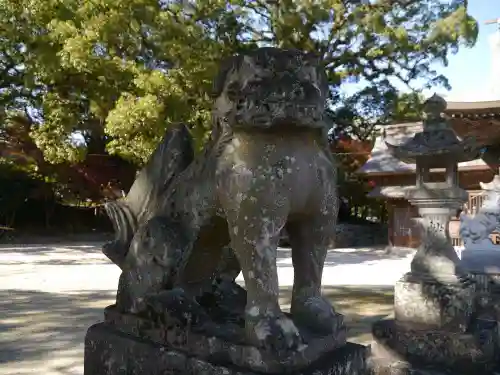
(46, 308)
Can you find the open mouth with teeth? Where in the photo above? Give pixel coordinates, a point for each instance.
(282, 102)
(273, 113)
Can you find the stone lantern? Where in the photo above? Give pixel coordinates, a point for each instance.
(434, 324)
(436, 147)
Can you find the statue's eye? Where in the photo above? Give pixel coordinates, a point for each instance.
(233, 90)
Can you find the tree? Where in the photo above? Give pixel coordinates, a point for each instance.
(360, 114)
(108, 76)
(355, 127)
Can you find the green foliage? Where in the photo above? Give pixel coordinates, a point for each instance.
(117, 72)
(355, 130)
(361, 113)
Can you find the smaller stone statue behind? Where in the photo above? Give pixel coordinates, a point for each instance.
(266, 167)
(475, 230)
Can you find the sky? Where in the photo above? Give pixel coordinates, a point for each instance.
(470, 70)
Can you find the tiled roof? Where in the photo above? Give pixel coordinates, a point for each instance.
(388, 192)
(473, 108)
(382, 162)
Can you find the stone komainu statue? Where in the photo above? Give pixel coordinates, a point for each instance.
(190, 220)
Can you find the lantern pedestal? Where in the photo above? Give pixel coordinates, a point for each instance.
(435, 329)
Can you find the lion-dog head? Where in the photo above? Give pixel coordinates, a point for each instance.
(269, 88)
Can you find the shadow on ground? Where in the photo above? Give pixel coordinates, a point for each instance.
(22, 238)
(360, 305)
(44, 332)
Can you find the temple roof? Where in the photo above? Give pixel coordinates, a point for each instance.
(477, 119)
(466, 109)
(382, 162)
(388, 191)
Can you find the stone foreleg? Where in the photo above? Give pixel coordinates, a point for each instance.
(256, 217)
(310, 238)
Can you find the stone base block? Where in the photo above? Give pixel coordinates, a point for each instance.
(109, 351)
(483, 261)
(225, 341)
(430, 304)
(486, 281)
(402, 351)
(487, 303)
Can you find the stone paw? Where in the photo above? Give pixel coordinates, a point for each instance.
(178, 305)
(275, 333)
(316, 314)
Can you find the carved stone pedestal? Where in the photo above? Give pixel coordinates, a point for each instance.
(400, 350)
(434, 330)
(426, 303)
(480, 257)
(484, 268)
(127, 344)
(487, 296)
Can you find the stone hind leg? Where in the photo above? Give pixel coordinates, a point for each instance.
(135, 285)
(254, 235)
(310, 238)
(151, 263)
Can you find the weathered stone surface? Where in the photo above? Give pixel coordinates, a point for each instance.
(398, 367)
(486, 281)
(173, 154)
(487, 295)
(436, 256)
(437, 146)
(277, 171)
(402, 348)
(267, 166)
(425, 302)
(111, 352)
(224, 341)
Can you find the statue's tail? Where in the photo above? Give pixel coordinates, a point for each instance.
(125, 224)
(172, 156)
